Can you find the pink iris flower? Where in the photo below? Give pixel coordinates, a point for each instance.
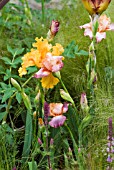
(104, 25)
(49, 64)
(56, 110)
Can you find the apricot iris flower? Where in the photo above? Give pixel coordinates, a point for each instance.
(56, 110)
(47, 58)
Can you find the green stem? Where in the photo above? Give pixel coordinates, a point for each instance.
(64, 86)
(43, 11)
(27, 80)
(8, 106)
(73, 104)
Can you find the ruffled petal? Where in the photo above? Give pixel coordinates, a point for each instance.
(57, 50)
(53, 63)
(22, 71)
(88, 25)
(56, 109)
(88, 32)
(49, 82)
(100, 36)
(41, 73)
(57, 121)
(112, 27)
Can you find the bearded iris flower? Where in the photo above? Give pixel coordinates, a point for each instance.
(50, 65)
(96, 6)
(56, 110)
(104, 24)
(45, 57)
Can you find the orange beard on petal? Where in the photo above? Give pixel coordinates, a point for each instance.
(49, 81)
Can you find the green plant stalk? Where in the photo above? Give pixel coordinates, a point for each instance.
(35, 127)
(46, 125)
(43, 11)
(47, 145)
(47, 149)
(32, 162)
(28, 80)
(8, 107)
(80, 138)
(92, 52)
(73, 104)
(79, 159)
(52, 156)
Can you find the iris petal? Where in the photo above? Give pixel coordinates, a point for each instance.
(57, 121)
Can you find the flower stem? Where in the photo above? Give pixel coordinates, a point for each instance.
(43, 11)
(27, 80)
(73, 104)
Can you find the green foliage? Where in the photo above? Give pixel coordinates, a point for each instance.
(71, 51)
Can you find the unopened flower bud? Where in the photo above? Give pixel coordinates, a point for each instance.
(34, 114)
(26, 101)
(83, 102)
(15, 84)
(93, 78)
(79, 149)
(46, 112)
(54, 28)
(51, 141)
(37, 97)
(65, 96)
(39, 141)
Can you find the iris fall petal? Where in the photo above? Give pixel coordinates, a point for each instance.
(57, 121)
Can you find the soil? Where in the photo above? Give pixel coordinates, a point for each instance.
(34, 5)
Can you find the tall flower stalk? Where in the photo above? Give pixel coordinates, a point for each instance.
(96, 30)
(46, 114)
